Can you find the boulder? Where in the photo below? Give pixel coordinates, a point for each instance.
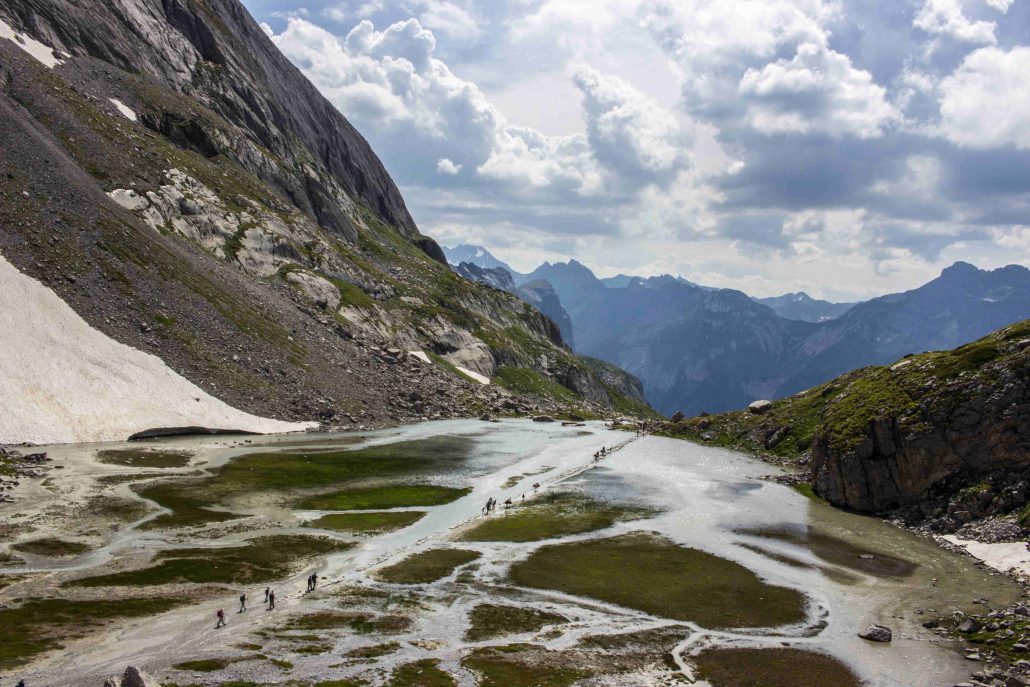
(877, 633)
(133, 677)
(543, 418)
(677, 416)
(760, 407)
(969, 625)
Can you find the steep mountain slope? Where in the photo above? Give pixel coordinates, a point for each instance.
(945, 435)
(175, 180)
(801, 306)
(698, 349)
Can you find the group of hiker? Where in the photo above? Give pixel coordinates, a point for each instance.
(269, 600)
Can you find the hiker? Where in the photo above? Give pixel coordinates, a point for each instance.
(314, 581)
(221, 619)
(507, 503)
(309, 584)
(271, 600)
(243, 603)
(268, 591)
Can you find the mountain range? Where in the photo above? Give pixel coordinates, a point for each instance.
(699, 349)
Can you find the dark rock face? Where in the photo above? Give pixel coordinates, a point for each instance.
(541, 295)
(969, 425)
(214, 52)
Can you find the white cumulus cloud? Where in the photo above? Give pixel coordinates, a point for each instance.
(819, 91)
(985, 103)
(945, 17)
(445, 166)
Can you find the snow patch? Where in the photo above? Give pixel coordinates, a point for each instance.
(126, 111)
(1003, 556)
(43, 53)
(63, 381)
(421, 355)
(474, 375)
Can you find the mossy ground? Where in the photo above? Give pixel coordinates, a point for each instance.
(287, 474)
(502, 666)
(427, 566)
(36, 626)
(51, 547)
(260, 560)
(651, 574)
(424, 673)
(487, 621)
(912, 392)
(554, 515)
(523, 380)
(367, 522)
(373, 651)
(837, 551)
(357, 621)
(386, 496)
(145, 458)
(780, 667)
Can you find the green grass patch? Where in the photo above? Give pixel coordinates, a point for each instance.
(778, 667)
(840, 552)
(260, 560)
(424, 673)
(427, 566)
(188, 508)
(51, 547)
(205, 665)
(367, 523)
(501, 667)
(38, 626)
(145, 458)
(497, 620)
(373, 651)
(362, 623)
(559, 515)
(523, 380)
(287, 473)
(388, 496)
(652, 574)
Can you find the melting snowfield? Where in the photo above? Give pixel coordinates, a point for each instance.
(653, 559)
(94, 388)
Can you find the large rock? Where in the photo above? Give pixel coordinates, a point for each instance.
(760, 407)
(133, 677)
(877, 633)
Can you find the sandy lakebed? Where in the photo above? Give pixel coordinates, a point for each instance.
(663, 563)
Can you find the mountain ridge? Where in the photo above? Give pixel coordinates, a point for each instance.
(245, 234)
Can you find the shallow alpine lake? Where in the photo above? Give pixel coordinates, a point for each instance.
(660, 562)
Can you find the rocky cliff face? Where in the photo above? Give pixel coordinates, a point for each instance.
(897, 432)
(945, 436)
(179, 184)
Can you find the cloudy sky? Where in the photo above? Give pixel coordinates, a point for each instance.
(843, 148)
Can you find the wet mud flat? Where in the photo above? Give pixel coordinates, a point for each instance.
(662, 563)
